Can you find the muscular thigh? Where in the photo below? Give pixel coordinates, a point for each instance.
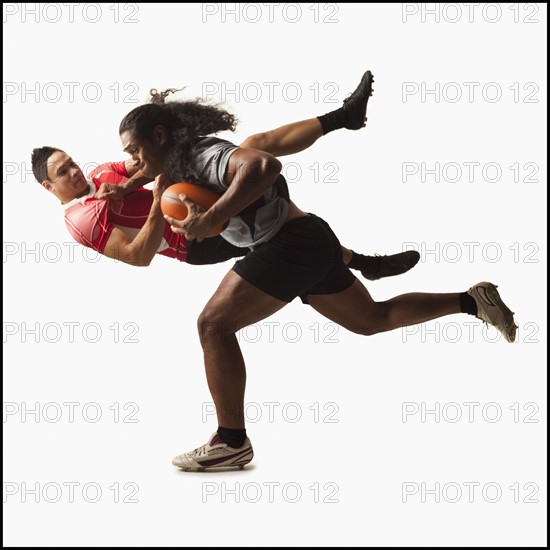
(238, 303)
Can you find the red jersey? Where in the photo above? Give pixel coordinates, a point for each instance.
(91, 221)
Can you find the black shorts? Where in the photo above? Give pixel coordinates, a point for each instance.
(212, 251)
(305, 257)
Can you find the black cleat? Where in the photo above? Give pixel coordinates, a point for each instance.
(396, 264)
(355, 105)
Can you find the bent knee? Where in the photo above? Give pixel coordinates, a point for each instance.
(374, 324)
(213, 324)
(366, 330)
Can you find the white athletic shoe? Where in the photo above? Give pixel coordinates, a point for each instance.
(492, 310)
(213, 455)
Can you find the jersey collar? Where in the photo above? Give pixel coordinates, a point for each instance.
(82, 199)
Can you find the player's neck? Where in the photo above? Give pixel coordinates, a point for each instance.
(79, 196)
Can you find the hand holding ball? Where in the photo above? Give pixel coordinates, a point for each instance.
(172, 206)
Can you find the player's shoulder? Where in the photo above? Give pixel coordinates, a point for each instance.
(212, 142)
(109, 172)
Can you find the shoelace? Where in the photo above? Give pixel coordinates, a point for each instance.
(348, 97)
(201, 451)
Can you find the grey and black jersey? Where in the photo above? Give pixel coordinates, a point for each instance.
(260, 221)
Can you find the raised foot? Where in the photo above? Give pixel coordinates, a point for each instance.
(356, 104)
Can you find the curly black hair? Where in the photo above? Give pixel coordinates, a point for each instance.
(186, 122)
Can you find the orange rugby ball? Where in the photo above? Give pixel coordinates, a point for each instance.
(171, 205)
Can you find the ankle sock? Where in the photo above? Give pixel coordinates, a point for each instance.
(232, 436)
(334, 120)
(467, 304)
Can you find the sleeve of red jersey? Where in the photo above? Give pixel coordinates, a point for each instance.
(109, 172)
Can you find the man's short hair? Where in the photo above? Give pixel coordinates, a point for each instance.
(39, 160)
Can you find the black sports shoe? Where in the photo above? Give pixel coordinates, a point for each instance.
(355, 105)
(396, 264)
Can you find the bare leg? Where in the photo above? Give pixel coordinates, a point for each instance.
(221, 318)
(286, 140)
(295, 137)
(355, 310)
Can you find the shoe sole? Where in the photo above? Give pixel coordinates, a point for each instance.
(493, 294)
(213, 468)
(367, 80)
(238, 464)
(370, 79)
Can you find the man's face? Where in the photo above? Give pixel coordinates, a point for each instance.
(148, 155)
(65, 179)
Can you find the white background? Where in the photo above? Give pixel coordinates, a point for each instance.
(367, 452)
